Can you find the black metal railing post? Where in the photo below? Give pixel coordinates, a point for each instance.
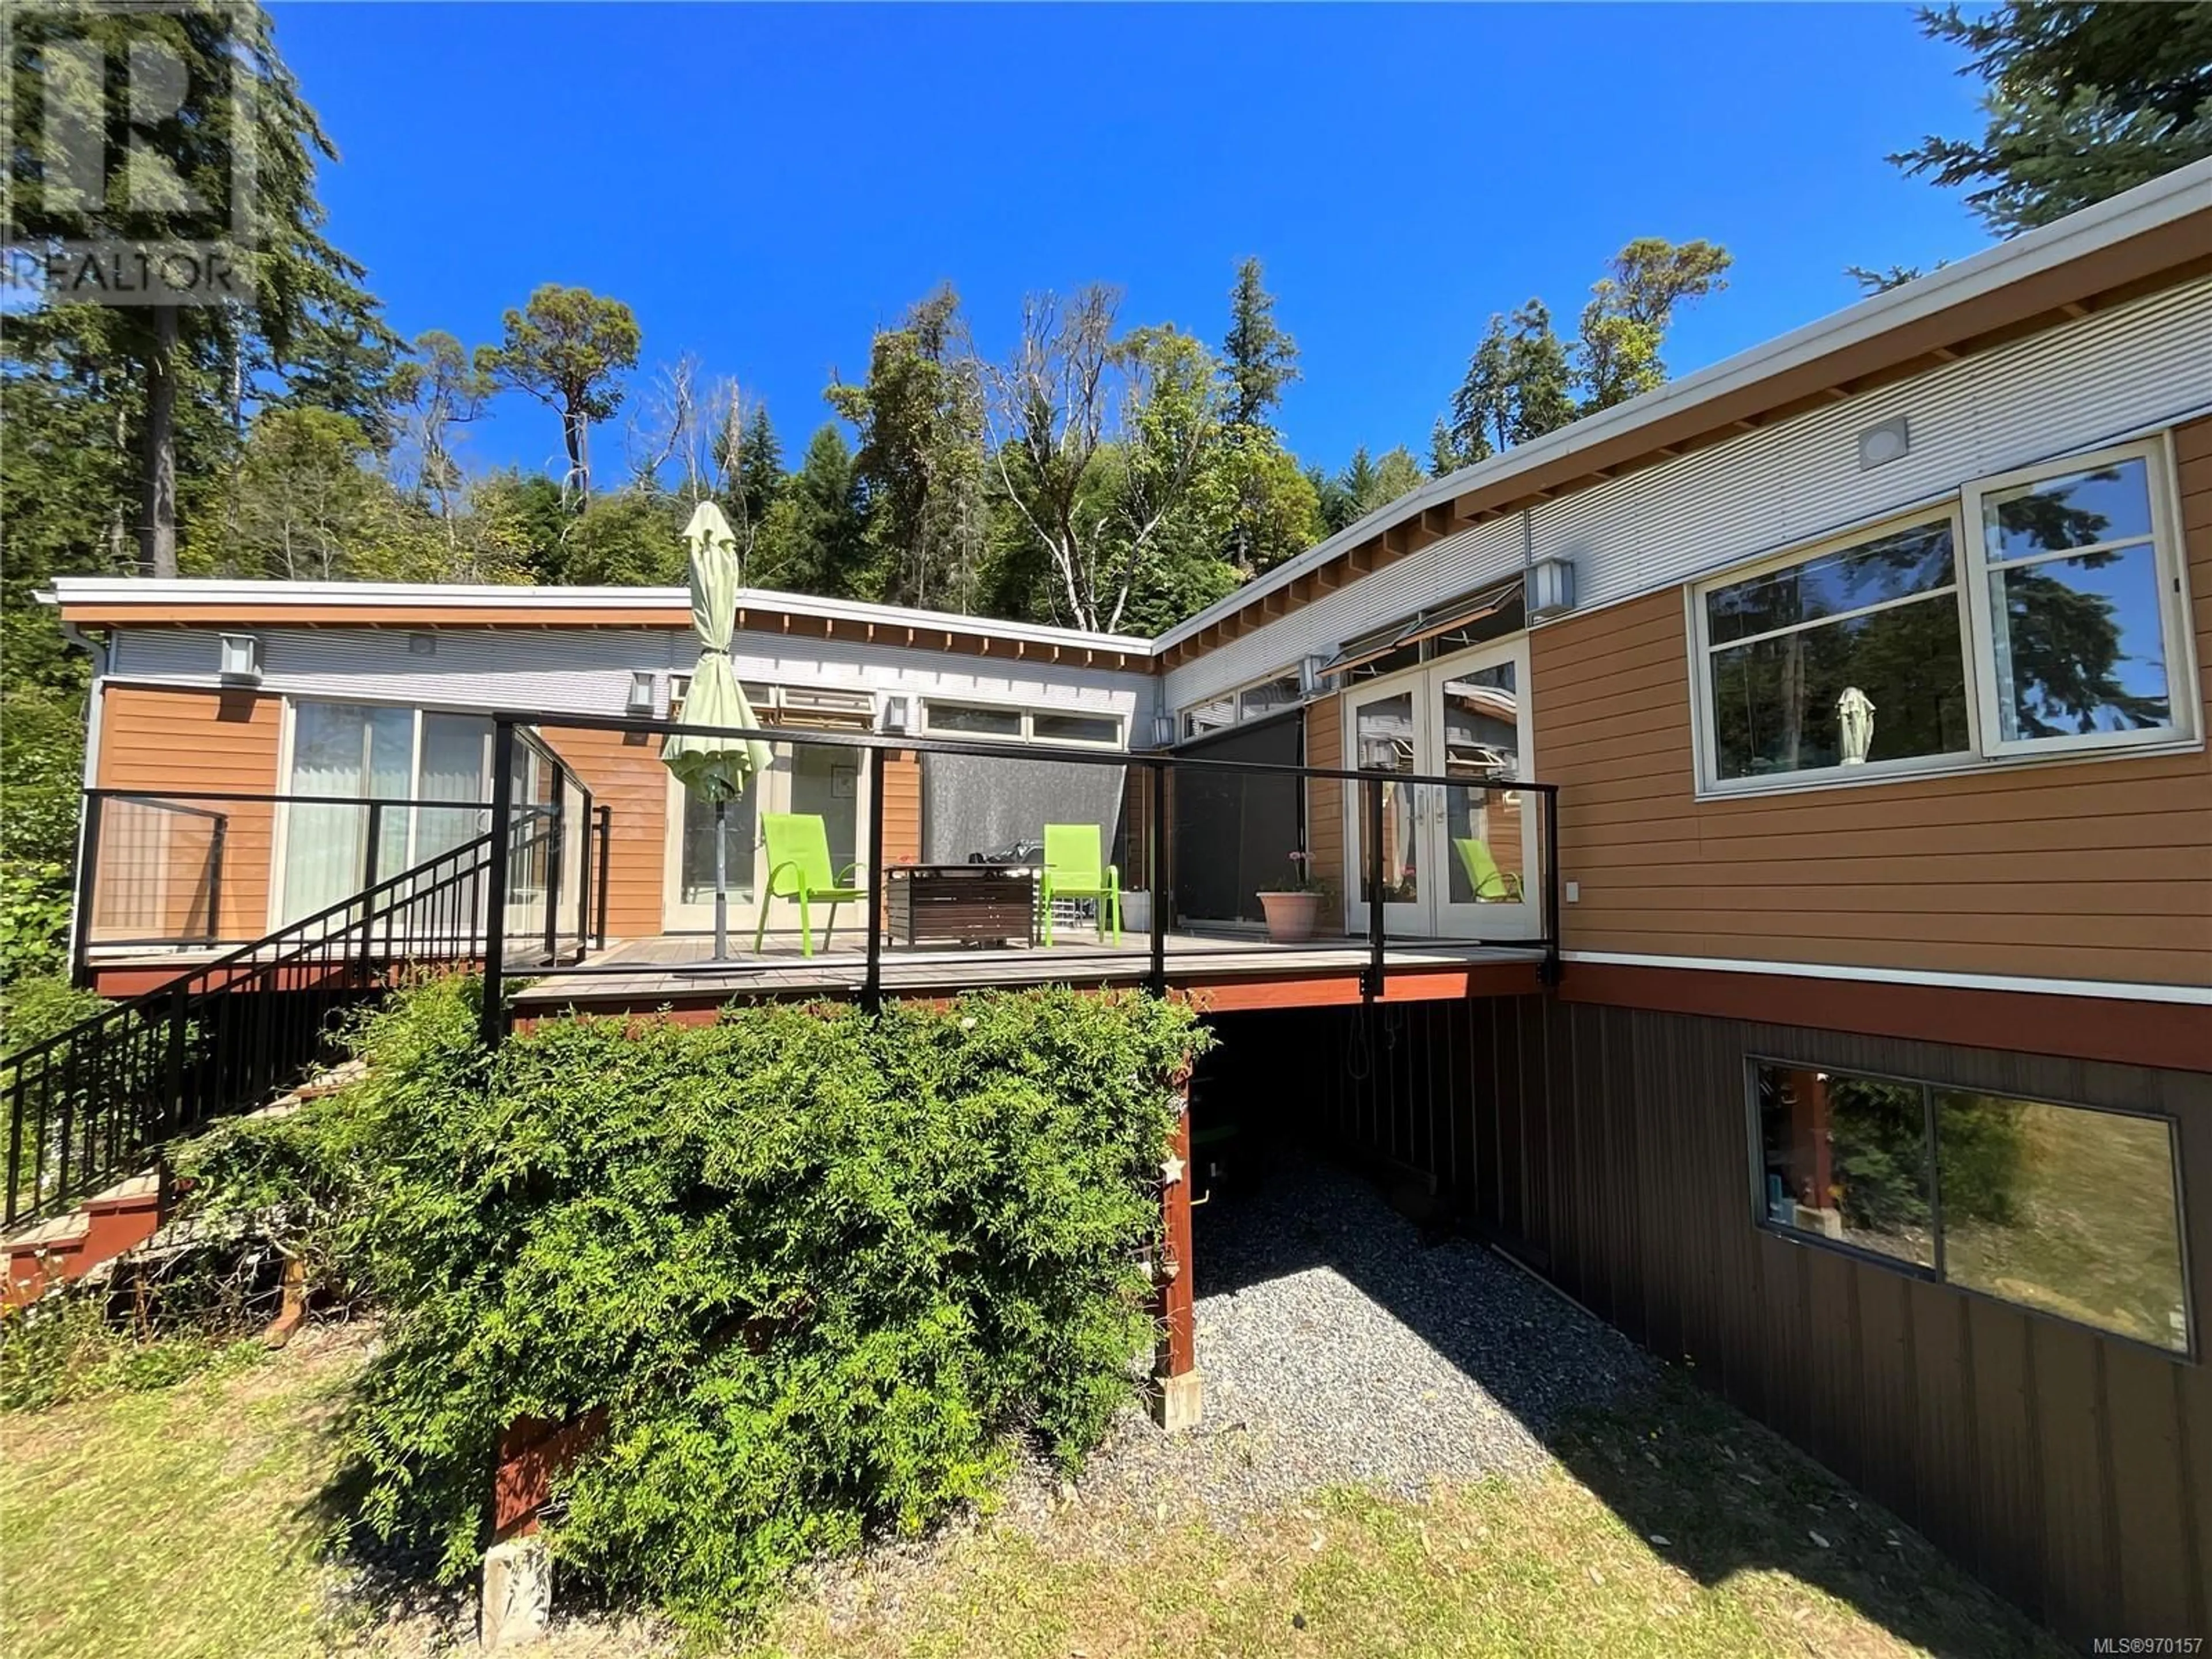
(606, 839)
(555, 852)
(1370, 978)
(872, 988)
(81, 923)
(584, 872)
(1156, 875)
(502, 806)
(218, 845)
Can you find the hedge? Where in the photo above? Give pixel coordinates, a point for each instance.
(815, 1267)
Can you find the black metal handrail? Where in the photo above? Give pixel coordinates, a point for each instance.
(1160, 765)
(85, 1104)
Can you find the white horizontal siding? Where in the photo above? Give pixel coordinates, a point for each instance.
(581, 671)
(2068, 388)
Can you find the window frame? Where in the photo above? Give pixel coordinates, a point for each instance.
(1705, 739)
(280, 834)
(1026, 718)
(1986, 750)
(2169, 565)
(1755, 1172)
(1234, 696)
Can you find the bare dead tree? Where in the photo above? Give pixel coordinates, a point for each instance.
(665, 428)
(1048, 410)
(1097, 441)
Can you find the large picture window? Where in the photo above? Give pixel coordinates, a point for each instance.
(2068, 1210)
(2044, 614)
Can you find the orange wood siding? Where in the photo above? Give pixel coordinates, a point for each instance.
(2098, 869)
(624, 772)
(152, 877)
(1325, 799)
(901, 807)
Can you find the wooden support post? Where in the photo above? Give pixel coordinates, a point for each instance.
(1176, 1398)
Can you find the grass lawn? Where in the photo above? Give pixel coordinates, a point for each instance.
(1673, 1529)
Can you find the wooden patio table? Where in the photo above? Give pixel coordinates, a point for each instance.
(962, 903)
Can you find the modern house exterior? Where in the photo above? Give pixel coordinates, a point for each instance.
(1872, 1068)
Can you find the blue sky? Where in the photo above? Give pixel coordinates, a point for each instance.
(767, 186)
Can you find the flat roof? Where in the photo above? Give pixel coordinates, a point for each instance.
(107, 601)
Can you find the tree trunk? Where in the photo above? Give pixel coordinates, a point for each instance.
(157, 523)
(579, 470)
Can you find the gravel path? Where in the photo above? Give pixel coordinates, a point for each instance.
(1339, 1346)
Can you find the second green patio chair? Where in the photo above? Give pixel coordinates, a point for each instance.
(1075, 868)
(1491, 885)
(798, 868)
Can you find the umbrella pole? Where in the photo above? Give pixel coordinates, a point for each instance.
(721, 884)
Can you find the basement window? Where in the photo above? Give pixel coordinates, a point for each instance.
(2072, 1210)
(2044, 613)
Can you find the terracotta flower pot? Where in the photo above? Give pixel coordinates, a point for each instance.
(1291, 917)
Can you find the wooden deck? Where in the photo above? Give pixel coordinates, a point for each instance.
(1227, 971)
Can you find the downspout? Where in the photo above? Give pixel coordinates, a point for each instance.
(100, 655)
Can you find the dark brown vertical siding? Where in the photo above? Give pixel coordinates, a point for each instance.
(1609, 1146)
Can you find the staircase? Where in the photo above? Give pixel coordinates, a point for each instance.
(88, 1109)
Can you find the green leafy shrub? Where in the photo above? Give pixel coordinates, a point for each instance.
(813, 1266)
(41, 1005)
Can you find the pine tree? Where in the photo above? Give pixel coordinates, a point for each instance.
(2084, 101)
(303, 320)
(1259, 358)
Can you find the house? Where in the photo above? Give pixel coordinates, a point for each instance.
(1774, 815)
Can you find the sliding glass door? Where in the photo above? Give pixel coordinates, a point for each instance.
(359, 752)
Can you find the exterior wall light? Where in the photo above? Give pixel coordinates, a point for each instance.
(897, 713)
(1551, 587)
(239, 661)
(1312, 671)
(639, 703)
(1163, 730)
(1887, 441)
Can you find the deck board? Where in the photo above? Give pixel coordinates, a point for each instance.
(677, 970)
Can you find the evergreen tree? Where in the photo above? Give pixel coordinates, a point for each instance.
(1259, 359)
(919, 415)
(565, 348)
(2084, 101)
(813, 537)
(301, 324)
(1631, 308)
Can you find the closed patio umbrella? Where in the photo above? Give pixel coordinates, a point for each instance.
(713, 767)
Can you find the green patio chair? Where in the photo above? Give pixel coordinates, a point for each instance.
(1491, 885)
(1075, 868)
(798, 868)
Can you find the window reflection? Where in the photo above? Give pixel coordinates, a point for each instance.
(1846, 1157)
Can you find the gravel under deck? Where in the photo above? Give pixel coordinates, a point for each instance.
(1338, 1346)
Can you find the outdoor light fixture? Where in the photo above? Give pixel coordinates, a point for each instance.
(896, 714)
(1312, 671)
(641, 694)
(1883, 443)
(239, 663)
(1550, 589)
(1163, 730)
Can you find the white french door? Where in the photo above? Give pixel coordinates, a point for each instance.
(1459, 860)
(831, 783)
